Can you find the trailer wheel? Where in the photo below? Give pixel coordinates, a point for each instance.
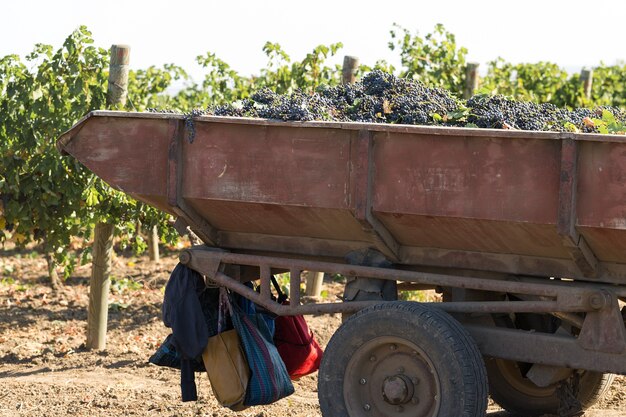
(517, 394)
(402, 359)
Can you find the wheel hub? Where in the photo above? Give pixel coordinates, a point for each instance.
(397, 389)
(392, 377)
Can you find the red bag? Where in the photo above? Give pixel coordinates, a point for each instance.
(296, 343)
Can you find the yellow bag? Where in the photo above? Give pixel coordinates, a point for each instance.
(227, 368)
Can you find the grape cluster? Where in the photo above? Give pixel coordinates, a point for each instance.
(384, 98)
(266, 104)
(191, 128)
(500, 112)
(381, 97)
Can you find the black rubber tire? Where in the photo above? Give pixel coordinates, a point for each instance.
(458, 364)
(521, 401)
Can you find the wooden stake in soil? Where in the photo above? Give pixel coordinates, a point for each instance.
(117, 91)
(97, 313)
(471, 80)
(153, 244)
(314, 283)
(350, 65)
(586, 76)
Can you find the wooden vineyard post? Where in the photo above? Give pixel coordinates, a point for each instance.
(350, 65)
(586, 76)
(471, 80)
(118, 76)
(97, 313)
(314, 283)
(153, 244)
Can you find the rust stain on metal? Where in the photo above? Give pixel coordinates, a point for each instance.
(491, 179)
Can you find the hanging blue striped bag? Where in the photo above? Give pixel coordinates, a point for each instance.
(269, 380)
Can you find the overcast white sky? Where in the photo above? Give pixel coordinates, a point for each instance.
(571, 33)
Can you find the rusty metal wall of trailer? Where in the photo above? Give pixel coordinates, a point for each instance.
(532, 203)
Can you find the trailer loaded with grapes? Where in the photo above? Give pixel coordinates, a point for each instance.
(514, 212)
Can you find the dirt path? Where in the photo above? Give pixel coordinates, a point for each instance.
(45, 371)
(112, 391)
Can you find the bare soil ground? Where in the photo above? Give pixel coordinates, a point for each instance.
(46, 371)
